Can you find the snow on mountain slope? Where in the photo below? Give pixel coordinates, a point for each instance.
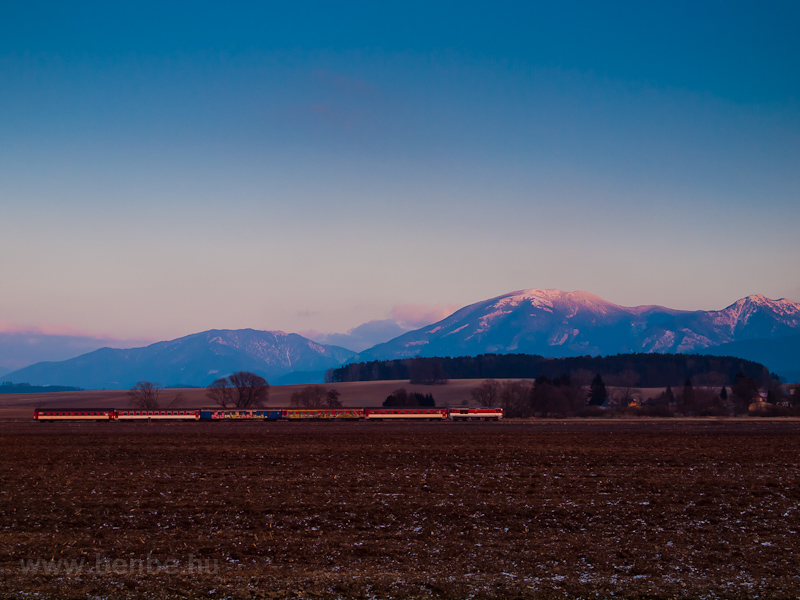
(557, 323)
(536, 321)
(195, 359)
(756, 315)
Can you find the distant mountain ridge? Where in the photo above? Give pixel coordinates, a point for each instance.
(557, 323)
(195, 359)
(550, 323)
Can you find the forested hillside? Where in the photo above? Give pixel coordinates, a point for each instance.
(651, 370)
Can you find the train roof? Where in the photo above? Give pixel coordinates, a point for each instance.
(75, 408)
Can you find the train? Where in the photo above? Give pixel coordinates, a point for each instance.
(461, 413)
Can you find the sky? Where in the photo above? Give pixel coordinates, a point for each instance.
(172, 167)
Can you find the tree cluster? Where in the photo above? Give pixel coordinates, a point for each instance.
(315, 396)
(242, 389)
(400, 398)
(584, 395)
(8, 387)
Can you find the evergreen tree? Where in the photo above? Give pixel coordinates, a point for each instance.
(689, 399)
(425, 400)
(598, 394)
(723, 393)
(670, 395)
(744, 391)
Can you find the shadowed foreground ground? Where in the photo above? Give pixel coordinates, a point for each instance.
(358, 510)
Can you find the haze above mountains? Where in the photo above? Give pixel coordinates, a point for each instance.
(545, 322)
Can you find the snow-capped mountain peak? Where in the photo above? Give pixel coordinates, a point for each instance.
(553, 322)
(745, 311)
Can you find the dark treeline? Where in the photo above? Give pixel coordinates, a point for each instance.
(652, 370)
(8, 387)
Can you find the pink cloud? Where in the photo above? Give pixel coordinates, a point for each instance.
(419, 315)
(309, 333)
(54, 329)
(42, 329)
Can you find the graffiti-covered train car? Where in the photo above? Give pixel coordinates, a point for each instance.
(241, 415)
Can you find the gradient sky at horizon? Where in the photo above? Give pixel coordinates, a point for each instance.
(167, 168)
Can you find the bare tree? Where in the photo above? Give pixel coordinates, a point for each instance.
(251, 390)
(486, 394)
(311, 396)
(796, 396)
(220, 392)
(776, 394)
(144, 395)
(581, 378)
(625, 392)
(178, 400)
(514, 398)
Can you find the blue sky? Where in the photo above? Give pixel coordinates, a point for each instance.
(166, 169)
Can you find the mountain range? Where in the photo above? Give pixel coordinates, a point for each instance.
(557, 323)
(194, 360)
(545, 322)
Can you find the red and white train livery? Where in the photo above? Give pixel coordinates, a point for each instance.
(288, 414)
(113, 414)
(489, 413)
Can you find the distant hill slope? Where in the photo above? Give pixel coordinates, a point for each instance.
(782, 355)
(556, 324)
(195, 359)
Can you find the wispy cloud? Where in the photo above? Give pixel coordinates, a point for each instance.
(362, 337)
(60, 329)
(419, 315)
(403, 318)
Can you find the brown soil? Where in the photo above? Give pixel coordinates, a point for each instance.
(385, 510)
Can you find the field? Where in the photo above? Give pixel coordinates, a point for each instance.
(361, 393)
(541, 509)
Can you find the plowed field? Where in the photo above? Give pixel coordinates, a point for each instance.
(387, 510)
